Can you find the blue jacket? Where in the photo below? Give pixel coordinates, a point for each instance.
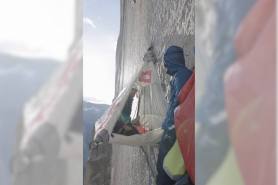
(174, 63)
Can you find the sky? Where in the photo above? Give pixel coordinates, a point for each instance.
(46, 35)
(101, 25)
(50, 33)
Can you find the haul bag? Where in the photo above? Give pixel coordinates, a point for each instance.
(185, 126)
(150, 109)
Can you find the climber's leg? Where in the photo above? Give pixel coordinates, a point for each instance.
(167, 141)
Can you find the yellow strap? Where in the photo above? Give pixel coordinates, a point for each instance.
(173, 163)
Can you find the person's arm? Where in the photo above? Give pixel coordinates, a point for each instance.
(180, 80)
(127, 110)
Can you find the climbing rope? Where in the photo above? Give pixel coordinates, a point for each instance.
(148, 162)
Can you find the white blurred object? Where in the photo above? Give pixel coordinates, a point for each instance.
(48, 152)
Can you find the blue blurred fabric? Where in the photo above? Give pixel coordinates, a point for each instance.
(174, 63)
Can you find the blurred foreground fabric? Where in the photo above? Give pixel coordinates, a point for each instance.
(236, 87)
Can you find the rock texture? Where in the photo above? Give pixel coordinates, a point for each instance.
(159, 23)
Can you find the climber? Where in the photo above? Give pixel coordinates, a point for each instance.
(174, 63)
(125, 125)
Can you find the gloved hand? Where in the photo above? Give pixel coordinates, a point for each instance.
(149, 56)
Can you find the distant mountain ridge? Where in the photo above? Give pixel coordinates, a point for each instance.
(96, 160)
(94, 100)
(91, 113)
(20, 78)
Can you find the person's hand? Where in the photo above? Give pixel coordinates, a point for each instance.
(149, 56)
